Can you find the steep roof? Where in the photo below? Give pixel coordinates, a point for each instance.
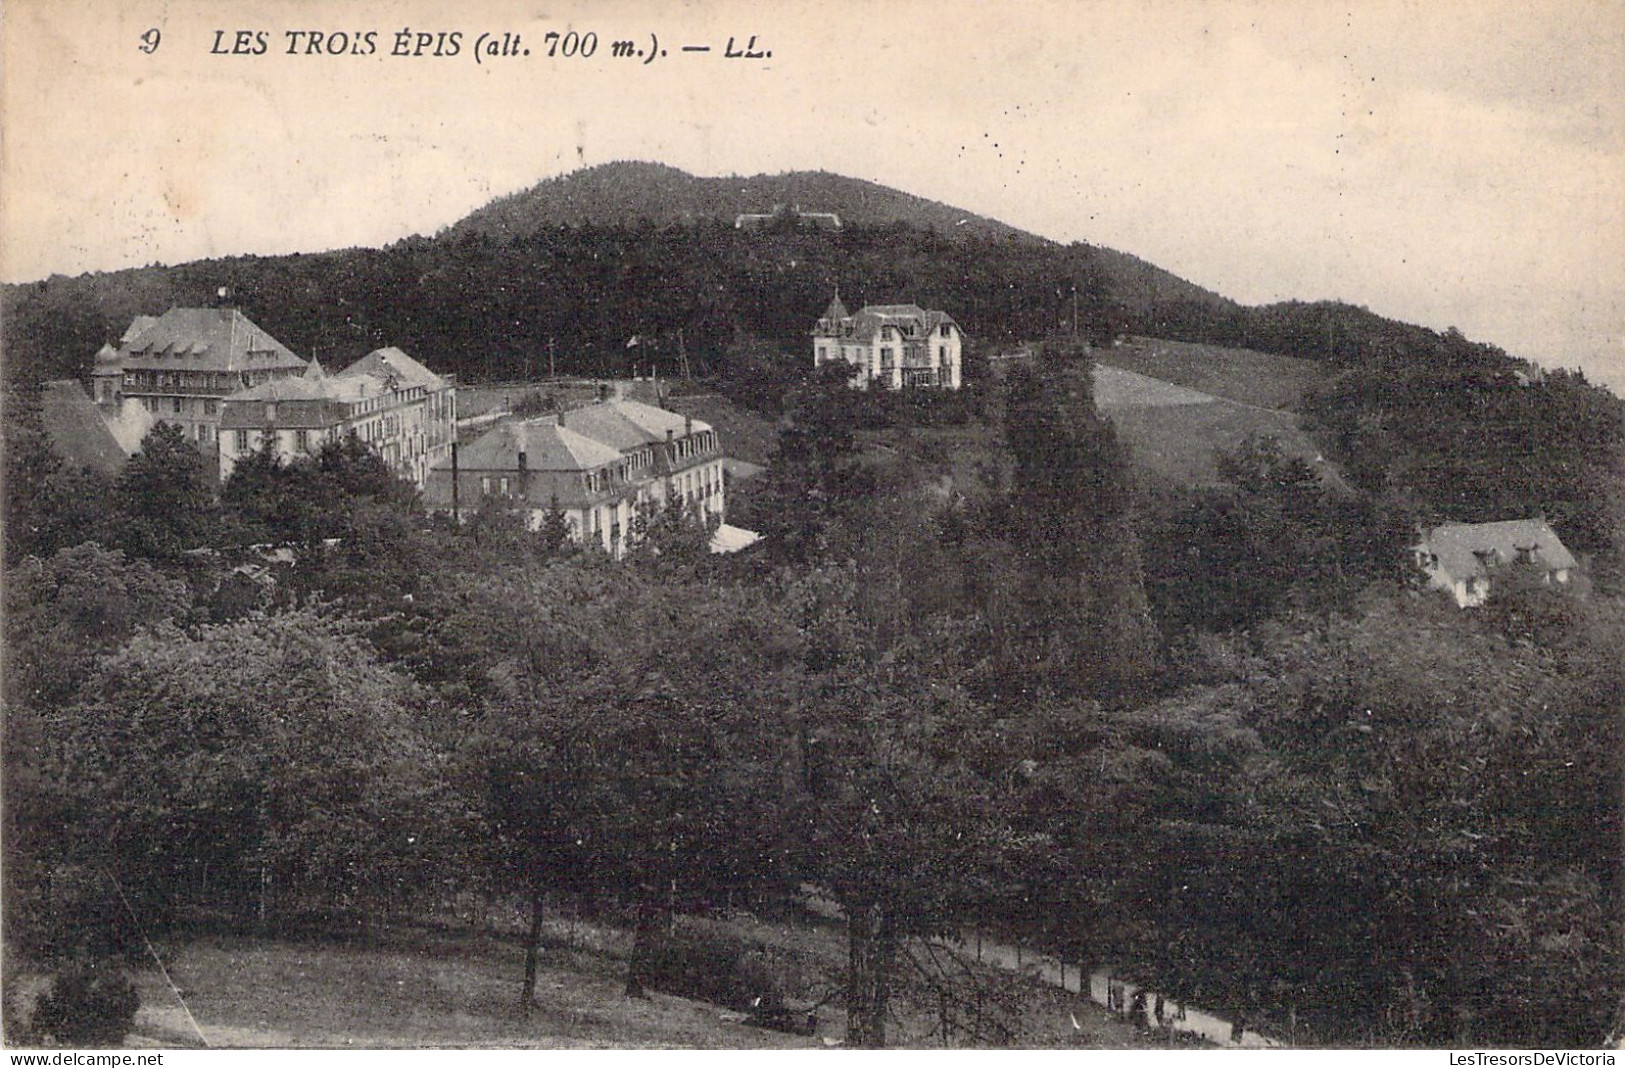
(656, 421)
(76, 428)
(203, 339)
(387, 361)
(627, 424)
(836, 310)
(546, 445)
(1464, 548)
(868, 321)
(138, 325)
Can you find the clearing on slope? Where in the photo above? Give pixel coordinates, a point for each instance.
(1242, 375)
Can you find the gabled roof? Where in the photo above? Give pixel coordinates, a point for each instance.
(628, 425)
(923, 322)
(1464, 549)
(656, 421)
(387, 361)
(138, 325)
(203, 339)
(76, 428)
(546, 445)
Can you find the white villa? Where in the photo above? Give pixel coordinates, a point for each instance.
(894, 346)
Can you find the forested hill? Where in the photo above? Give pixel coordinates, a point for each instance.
(632, 193)
(653, 194)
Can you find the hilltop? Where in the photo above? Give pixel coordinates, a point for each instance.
(631, 193)
(636, 193)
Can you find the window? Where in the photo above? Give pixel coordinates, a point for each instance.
(485, 485)
(208, 406)
(503, 487)
(301, 440)
(242, 441)
(175, 402)
(944, 330)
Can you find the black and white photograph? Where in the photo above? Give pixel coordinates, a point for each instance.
(660, 525)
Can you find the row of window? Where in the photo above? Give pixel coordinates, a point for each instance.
(245, 440)
(180, 405)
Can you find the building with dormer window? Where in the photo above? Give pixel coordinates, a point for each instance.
(181, 364)
(601, 466)
(1468, 559)
(892, 346)
(400, 409)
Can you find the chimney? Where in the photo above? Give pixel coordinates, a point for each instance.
(524, 477)
(688, 426)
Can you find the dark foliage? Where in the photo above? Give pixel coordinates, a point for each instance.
(92, 1005)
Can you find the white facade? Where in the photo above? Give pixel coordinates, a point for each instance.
(894, 346)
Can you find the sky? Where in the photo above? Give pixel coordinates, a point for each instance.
(1449, 162)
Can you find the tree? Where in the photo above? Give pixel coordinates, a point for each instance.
(814, 476)
(1083, 616)
(1271, 539)
(269, 768)
(164, 499)
(48, 505)
(629, 739)
(1433, 810)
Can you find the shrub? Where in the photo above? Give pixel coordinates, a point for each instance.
(716, 967)
(91, 1005)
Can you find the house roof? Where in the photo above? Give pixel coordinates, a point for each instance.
(203, 339)
(137, 326)
(727, 539)
(922, 321)
(628, 425)
(836, 310)
(1464, 549)
(76, 428)
(308, 395)
(546, 445)
(387, 361)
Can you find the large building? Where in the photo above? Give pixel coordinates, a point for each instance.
(180, 365)
(601, 466)
(893, 346)
(402, 410)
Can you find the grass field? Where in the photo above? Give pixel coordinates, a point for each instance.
(1177, 444)
(438, 988)
(1259, 378)
(1116, 388)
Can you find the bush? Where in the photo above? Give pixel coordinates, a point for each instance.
(716, 967)
(91, 1005)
